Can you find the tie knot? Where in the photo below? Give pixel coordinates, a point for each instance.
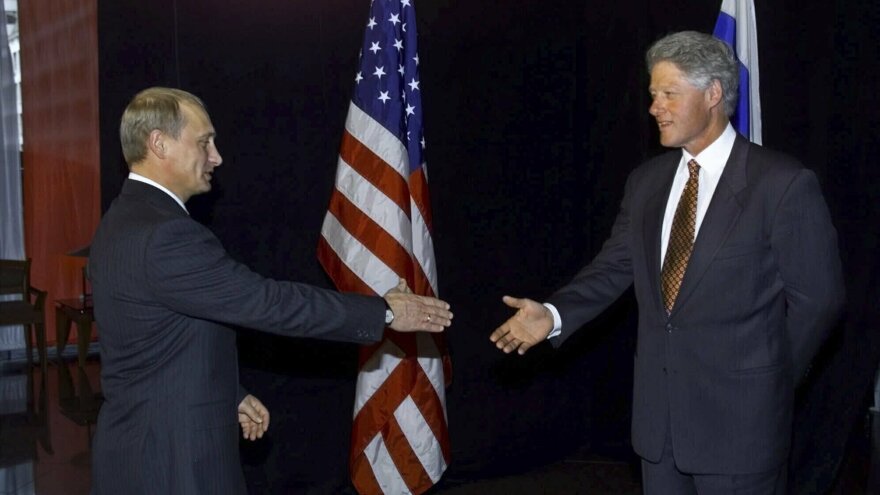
(693, 168)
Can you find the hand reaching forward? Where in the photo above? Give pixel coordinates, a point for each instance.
(531, 324)
(253, 418)
(414, 313)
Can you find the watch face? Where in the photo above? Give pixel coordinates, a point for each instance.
(389, 316)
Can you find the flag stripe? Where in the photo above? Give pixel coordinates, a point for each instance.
(373, 467)
(387, 356)
(359, 260)
(377, 139)
(375, 372)
(370, 235)
(374, 202)
(343, 276)
(421, 443)
(418, 185)
(391, 385)
(423, 249)
(375, 170)
(362, 261)
(362, 476)
(434, 398)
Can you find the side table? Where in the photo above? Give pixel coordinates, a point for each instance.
(77, 311)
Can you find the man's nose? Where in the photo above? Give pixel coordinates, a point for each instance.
(215, 157)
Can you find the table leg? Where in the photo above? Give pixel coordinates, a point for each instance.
(62, 331)
(40, 329)
(83, 336)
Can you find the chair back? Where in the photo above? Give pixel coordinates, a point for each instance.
(14, 275)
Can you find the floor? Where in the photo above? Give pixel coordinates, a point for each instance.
(45, 443)
(45, 435)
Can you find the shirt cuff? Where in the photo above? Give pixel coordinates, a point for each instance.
(557, 321)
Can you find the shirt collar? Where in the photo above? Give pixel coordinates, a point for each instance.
(715, 156)
(141, 178)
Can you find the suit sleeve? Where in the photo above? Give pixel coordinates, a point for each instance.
(191, 273)
(603, 280)
(804, 243)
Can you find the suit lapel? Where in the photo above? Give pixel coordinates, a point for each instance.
(721, 216)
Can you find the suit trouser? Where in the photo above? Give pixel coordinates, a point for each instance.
(664, 478)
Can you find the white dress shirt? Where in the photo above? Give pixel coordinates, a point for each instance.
(711, 161)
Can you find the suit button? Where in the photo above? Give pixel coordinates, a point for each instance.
(669, 328)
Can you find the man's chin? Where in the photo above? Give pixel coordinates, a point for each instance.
(668, 142)
(203, 189)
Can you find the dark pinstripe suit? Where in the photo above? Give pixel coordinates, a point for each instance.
(164, 290)
(760, 293)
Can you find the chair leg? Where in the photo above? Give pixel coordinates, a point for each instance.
(29, 349)
(41, 346)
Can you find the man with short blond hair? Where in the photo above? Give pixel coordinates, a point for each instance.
(165, 295)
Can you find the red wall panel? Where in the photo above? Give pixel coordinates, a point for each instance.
(61, 158)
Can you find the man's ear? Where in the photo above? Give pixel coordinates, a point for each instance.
(156, 143)
(714, 93)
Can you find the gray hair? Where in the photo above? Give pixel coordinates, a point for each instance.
(702, 58)
(152, 109)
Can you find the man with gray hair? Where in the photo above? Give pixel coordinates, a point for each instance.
(733, 258)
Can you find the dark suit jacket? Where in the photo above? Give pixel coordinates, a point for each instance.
(164, 292)
(761, 291)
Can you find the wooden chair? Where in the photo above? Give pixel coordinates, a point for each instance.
(29, 311)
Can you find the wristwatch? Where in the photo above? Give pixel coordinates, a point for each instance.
(389, 315)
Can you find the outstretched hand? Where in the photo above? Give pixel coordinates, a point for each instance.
(253, 418)
(414, 313)
(531, 324)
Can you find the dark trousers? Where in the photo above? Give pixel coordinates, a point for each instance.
(664, 478)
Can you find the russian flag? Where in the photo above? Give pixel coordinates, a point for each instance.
(736, 26)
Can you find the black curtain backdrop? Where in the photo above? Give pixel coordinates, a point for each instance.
(535, 113)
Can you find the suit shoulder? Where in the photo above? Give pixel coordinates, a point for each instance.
(773, 161)
(779, 172)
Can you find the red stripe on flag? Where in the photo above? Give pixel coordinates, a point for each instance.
(382, 244)
(429, 404)
(373, 237)
(418, 187)
(375, 170)
(408, 464)
(380, 407)
(344, 279)
(407, 380)
(362, 476)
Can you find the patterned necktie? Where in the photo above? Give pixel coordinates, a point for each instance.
(681, 238)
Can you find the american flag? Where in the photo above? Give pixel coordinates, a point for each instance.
(737, 27)
(376, 231)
